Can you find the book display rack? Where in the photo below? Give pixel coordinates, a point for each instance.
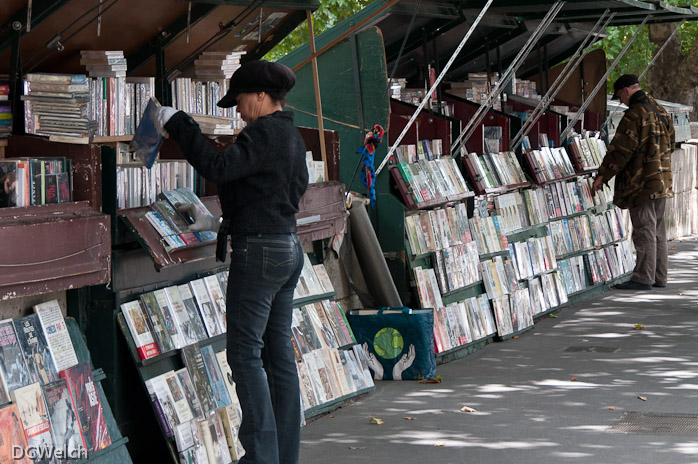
(523, 250)
(177, 333)
(49, 384)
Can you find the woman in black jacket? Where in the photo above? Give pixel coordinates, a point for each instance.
(261, 179)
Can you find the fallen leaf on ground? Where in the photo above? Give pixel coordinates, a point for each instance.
(467, 409)
(515, 337)
(639, 326)
(436, 379)
(553, 315)
(409, 418)
(680, 294)
(573, 379)
(673, 248)
(438, 444)
(612, 408)
(357, 447)
(643, 398)
(375, 420)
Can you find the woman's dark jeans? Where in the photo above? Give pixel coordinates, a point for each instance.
(264, 270)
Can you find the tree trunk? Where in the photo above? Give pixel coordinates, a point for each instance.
(673, 76)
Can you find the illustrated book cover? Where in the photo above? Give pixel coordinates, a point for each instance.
(88, 406)
(67, 435)
(35, 348)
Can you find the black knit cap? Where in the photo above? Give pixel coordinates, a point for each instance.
(626, 80)
(258, 76)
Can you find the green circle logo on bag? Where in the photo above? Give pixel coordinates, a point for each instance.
(388, 343)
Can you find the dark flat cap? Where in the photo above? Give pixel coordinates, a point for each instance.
(258, 76)
(626, 80)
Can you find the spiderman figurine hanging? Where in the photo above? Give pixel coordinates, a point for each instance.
(368, 175)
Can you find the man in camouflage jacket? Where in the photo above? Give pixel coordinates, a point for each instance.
(639, 156)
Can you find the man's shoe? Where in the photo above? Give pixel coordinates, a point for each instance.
(632, 285)
(659, 284)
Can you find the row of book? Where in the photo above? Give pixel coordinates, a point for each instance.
(5, 112)
(433, 180)
(138, 186)
(494, 170)
(462, 322)
(600, 266)
(533, 256)
(455, 324)
(548, 164)
(328, 374)
(584, 232)
(313, 281)
(319, 325)
(456, 267)
(587, 151)
(424, 150)
(172, 225)
(487, 234)
(199, 407)
(498, 277)
(177, 316)
(201, 97)
(513, 313)
(35, 181)
(437, 229)
(55, 409)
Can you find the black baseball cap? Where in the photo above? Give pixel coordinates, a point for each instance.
(258, 76)
(626, 80)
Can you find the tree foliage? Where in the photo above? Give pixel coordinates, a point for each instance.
(641, 51)
(330, 13)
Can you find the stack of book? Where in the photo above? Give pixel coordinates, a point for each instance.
(173, 226)
(35, 181)
(213, 66)
(214, 125)
(104, 63)
(57, 106)
(5, 112)
(55, 407)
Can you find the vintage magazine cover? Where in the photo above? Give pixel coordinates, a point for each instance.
(14, 368)
(197, 325)
(56, 333)
(217, 297)
(67, 435)
(170, 324)
(88, 406)
(11, 434)
(35, 348)
(34, 415)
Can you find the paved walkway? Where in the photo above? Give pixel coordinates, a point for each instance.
(554, 395)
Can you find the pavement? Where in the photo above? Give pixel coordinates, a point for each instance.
(586, 387)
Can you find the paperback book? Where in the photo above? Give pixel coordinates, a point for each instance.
(59, 344)
(67, 434)
(88, 406)
(35, 348)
